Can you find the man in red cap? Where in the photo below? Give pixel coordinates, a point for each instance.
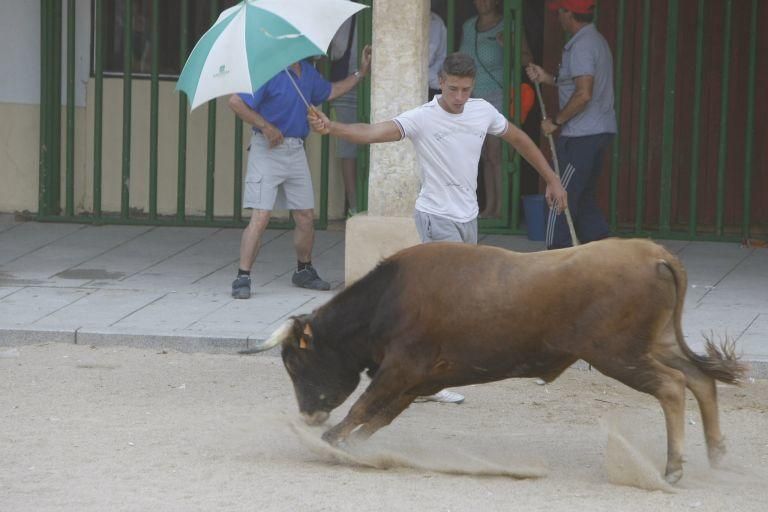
(586, 120)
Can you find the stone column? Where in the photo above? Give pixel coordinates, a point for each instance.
(398, 83)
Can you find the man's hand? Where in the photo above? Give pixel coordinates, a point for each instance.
(365, 61)
(318, 121)
(548, 127)
(537, 74)
(272, 134)
(557, 197)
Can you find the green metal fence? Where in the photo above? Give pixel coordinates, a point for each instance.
(662, 45)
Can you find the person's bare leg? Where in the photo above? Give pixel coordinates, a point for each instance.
(303, 239)
(250, 242)
(349, 175)
(304, 233)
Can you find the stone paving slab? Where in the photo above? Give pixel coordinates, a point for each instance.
(99, 309)
(24, 238)
(31, 304)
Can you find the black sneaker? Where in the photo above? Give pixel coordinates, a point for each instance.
(241, 287)
(308, 278)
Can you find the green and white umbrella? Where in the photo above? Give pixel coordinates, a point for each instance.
(256, 39)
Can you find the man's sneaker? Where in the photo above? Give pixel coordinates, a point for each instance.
(241, 287)
(308, 278)
(445, 397)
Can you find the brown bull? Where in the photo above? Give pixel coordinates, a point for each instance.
(451, 314)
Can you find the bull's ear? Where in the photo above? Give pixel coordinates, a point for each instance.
(306, 336)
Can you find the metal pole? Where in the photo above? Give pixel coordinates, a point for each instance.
(668, 135)
(556, 165)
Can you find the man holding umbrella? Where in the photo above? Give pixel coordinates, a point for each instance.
(278, 173)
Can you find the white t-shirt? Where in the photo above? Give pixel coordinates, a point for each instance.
(448, 148)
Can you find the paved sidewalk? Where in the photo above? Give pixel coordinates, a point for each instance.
(169, 287)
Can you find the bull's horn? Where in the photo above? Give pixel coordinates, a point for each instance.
(282, 333)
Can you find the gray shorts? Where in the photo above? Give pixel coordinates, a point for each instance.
(278, 178)
(433, 228)
(347, 115)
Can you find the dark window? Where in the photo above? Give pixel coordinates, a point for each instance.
(201, 15)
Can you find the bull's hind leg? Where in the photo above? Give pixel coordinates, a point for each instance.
(668, 386)
(704, 389)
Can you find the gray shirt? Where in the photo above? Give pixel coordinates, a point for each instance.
(588, 53)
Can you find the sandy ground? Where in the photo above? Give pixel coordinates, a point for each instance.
(114, 428)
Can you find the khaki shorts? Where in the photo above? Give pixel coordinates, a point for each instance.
(278, 178)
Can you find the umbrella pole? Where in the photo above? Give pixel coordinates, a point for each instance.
(296, 86)
(557, 165)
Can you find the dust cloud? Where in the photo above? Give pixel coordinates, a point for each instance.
(423, 458)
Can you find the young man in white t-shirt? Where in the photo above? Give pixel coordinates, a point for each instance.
(448, 135)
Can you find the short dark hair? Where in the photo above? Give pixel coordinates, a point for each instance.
(459, 64)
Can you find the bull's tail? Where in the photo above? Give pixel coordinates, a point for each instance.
(721, 362)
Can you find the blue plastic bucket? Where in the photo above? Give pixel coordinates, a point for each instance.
(535, 210)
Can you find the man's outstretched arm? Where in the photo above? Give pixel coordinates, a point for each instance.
(523, 144)
(359, 133)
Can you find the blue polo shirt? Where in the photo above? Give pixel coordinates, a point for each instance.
(278, 102)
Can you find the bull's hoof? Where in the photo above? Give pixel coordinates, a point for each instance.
(332, 438)
(672, 477)
(716, 453)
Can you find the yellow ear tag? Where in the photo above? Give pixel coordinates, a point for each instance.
(306, 338)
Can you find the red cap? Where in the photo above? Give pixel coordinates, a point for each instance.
(577, 6)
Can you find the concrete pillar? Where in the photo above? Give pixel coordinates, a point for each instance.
(398, 83)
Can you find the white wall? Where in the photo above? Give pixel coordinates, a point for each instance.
(20, 55)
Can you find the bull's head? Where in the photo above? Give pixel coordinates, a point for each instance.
(323, 375)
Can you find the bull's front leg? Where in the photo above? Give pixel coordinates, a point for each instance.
(384, 394)
(383, 418)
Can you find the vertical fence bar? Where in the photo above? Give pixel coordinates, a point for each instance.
(750, 129)
(210, 161)
(70, 161)
(617, 89)
(668, 129)
(55, 92)
(98, 101)
(325, 140)
(237, 199)
(642, 145)
(696, 132)
(364, 21)
(153, 110)
(125, 182)
(181, 179)
(513, 81)
(43, 167)
(210, 168)
(723, 145)
(450, 22)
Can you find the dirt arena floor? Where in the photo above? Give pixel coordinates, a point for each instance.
(115, 428)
